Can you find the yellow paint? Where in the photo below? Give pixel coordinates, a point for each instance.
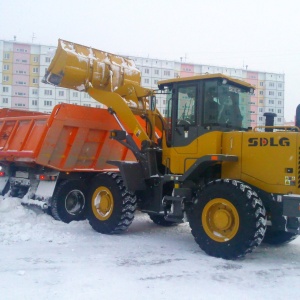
(102, 203)
(220, 220)
(180, 159)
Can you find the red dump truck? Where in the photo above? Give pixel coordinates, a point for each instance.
(47, 158)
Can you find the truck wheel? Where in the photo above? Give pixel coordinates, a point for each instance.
(160, 220)
(69, 201)
(111, 206)
(227, 219)
(279, 237)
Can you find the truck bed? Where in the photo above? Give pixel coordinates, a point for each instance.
(71, 138)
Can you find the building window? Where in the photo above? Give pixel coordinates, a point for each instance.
(34, 102)
(261, 92)
(5, 89)
(167, 73)
(75, 94)
(47, 59)
(146, 80)
(261, 84)
(260, 119)
(48, 103)
(20, 72)
(271, 101)
(280, 85)
(155, 81)
(5, 78)
(35, 80)
(271, 109)
(35, 70)
(20, 94)
(21, 50)
(279, 119)
(19, 104)
(279, 102)
(156, 72)
(279, 111)
(261, 110)
(271, 84)
(5, 100)
(6, 55)
(279, 94)
(48, 92)
(61, 93)
(271, 93)
(146, 71)
(5, 67)
(35, 59)
(21, 82)
(35, 92)
(86, 95)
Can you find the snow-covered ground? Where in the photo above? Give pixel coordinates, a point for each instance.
(41, 258)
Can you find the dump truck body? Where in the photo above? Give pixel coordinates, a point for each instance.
(72, 138)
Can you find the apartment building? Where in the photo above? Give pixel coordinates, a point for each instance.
(23, 65)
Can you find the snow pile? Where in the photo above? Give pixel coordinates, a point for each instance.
(45, 259)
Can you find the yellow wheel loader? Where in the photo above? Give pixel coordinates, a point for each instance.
(201, 163)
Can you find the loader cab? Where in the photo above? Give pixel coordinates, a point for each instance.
(199, 104)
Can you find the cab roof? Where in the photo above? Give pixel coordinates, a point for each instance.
(163, 83)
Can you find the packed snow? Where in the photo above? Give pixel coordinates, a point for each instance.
(42, 258)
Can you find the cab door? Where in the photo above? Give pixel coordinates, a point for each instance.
(183, 107)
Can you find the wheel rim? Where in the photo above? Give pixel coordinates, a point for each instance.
(220, 220)
(74, 202)
(102, 203)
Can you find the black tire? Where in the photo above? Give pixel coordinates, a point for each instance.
(69, 201)
(279, 237)
(110, 206)
(227, 219)
(160, 220)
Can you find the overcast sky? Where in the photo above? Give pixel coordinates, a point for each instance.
(262, 34)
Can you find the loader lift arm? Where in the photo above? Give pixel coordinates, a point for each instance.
(109, 79)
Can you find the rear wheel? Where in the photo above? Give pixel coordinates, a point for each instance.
(111, 206)
(228, 219)
(68, 201)
(279, 237)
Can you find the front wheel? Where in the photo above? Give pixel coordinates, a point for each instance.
(111, 206)
(227, 219)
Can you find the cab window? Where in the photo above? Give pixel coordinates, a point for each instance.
(186, 113)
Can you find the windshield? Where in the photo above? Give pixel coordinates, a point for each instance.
(226, 105)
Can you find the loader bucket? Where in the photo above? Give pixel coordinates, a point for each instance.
(77, 67)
